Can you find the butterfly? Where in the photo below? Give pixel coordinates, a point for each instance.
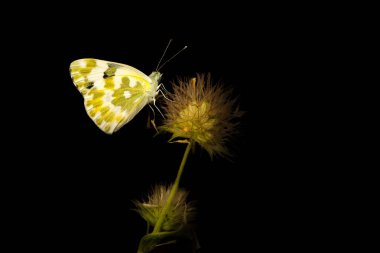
(113, 93)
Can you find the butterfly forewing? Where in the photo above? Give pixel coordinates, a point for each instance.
(113, 93)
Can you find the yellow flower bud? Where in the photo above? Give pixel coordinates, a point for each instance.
(203, 112)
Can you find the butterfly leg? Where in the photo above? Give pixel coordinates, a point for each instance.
(163, 94)
(153, 120)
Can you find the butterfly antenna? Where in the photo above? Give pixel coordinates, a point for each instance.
(170, 41)
(172, 57)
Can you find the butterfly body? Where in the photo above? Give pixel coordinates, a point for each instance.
(113, 93)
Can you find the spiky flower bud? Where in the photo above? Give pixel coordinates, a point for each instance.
(203, 112)
(179, 214)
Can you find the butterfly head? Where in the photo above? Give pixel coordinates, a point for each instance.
(156, 77)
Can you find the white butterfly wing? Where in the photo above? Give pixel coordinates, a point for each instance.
(113, 93)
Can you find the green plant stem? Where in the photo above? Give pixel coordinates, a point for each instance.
(157, 227)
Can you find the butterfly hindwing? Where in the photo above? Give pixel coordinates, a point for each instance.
(113, 93)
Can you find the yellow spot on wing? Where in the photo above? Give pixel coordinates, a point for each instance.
(109, 83)
(90, 63)
(92, 113)
(85, 71)
(124, 82)
(104, 110)
(94, 103)
(98, 121)
(109, 116)
(96, 94)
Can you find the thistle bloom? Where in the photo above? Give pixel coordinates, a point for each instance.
(179, 213)
(202, 112)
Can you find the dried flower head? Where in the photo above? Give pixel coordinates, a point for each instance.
(203, 112)
(179, 214)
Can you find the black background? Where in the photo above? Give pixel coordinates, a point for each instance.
(78, 194)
